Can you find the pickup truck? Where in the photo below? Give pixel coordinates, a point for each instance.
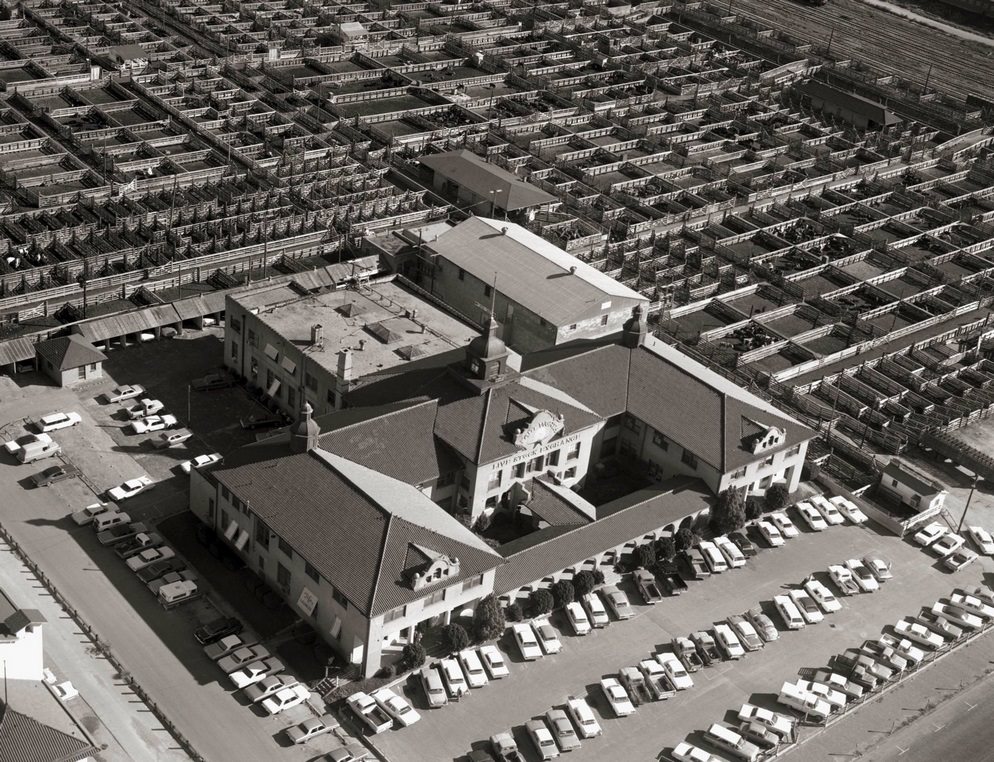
(634, 683)
(674, 583)
(695, 563)
(138, 543)
(687, 653)
(505, 748)
(707, 649)
(369, 712)
(120, 533)
(656, 678)
(646, 583)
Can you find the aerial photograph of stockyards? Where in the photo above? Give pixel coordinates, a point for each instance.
(496, 380)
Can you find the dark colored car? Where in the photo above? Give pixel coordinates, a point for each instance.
(158, 568)
(55, 474)
(212, 381)
(745, 544)
(674, 583)
(264, 421)
(217, 629)
(694, 564)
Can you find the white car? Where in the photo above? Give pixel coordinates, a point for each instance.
(812, 517)
(617, 601)
(959, 559)
(878, 567)
(255, 672)
(122, 393)
(789, 612)
(149, 556)
(903, 647)
(929, 534)
(770, 533)
(578, 618)
(617, 697)
(835, 699)
(843, 579)
(822, 595)
(399, 708)
(583, 717)
(130, 488)
(827, 509)
(787, 527)
(806, 605)
(201, 461)
(972, 604)
(730, 551)
(524, 636)
(920, 634)
(472, 667)
(153, 423)
(86, 515)
(145, 408)
(957, 615)
(542, 738)
(454, 679)
(675, 671)
(56, 421)
(779, 723)
(728, 641)
(946, 544)
(687, 752)
(547, 637)
(596, 612)
(862, 576)
(286, 699)
(982, 539)
(14, 445)
(849, 509)
(493, 662)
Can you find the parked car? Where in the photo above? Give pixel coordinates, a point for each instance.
(806, 605)
(149, 556)
(947, 544)
(763, 624)
(130, 488)
(770, 533)
(744, 544)
(758, 735)
(455, 681)
(982, 539)
(153, 423)
(849, 509)
(138, 543)
(237, 659)
(524, 636)
(583, 717)
(212, 381)
(562, 730)
(862, 576)
(920, 634)
(286, 699)
(542, 738)
(15, 446)
(746, 633)
(160, 569)
(228, 644)
(904, 648)
(578, 618)
(214, 630)
(728, 642)
(646, 584)
(930, 533)
(201, 461)
(434, 688)
(170, 579)
(656, 680)
(687, 752)
(789, 612)
(167, 439)
(827, 509)
(712, 557)
(145, 408)
(835, 699)
(852, 658)
(972, 604)
(54, 474)
(822, 595)
(56, 421)
(505, 747)
(120, 533)
(122, 393)
(843, 579)
(686, 652)
(633, 681)
(733, 556)
(673, 583)
(493, 662)
(787, 528)
(256, 671)
(617, 698)
(779, 723)
(675, 670)
(547, 636)
(617, 601)
(397, 707)
(884, 655)
(85, 516)
(706, 647)
(939, 624)
(695, 565)
(596, 612)
(959, 559)
(803, 702)
(268, 686)
(731, 742)
(878, 568)
(262, 421)
(810, 515)
(836, 681)
(311, 728)
(472, 668)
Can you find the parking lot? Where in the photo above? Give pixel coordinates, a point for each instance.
(451, 731)
(156, 646)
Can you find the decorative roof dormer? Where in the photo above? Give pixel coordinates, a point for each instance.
(540, 429)
(768, 438)
(486, 357)
(425, 567)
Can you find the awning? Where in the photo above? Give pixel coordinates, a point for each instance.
(288, 365)
(271, 352)
(336, 627)
(16, 350)
(230, 531)
(273, 388)
(243, 537)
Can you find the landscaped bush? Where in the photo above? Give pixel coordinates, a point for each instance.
(729, 513)
(540, 602)
(686, 539)
(513, 612)
(455, 637)
(645, 556)
(583, 583)
(413, 656)
(488, 619)
(665, 548)
(598, 577)
(777, 497)
(563, 592)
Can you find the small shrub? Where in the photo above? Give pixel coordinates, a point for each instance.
(563, 592)
(413, 656)
(754, 510)
(810, 471)
(513, 612)
(483, 523)
(685, 539)
(777, 497)
(455, 637)
(645, 556)
(729, 513)
(540, 602)
(665, 548)
(598, 577)
(387, 671)
(583, 583)
(488, 619)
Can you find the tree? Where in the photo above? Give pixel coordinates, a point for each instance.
(645, 556)
(754, 509)
(540, 602)
(598, 577)
(729, 512)
(563, 592)
(513, 612)
(685, 539)
(456, 637)
(413, 656)
(583, 583)
(488, 619)
(777, 497)
(665, 548)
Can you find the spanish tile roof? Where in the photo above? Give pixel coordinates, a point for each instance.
(548, 551)
(529, 269)
(553, 507)
(23, 739)
(68, 352)
(480, 177)
(353, 524)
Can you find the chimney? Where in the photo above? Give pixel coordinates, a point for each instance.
(362, 344)
(572, 270)
(503, 231)
(344, 381)
(317, 334)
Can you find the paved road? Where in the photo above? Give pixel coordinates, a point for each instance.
(931, 22)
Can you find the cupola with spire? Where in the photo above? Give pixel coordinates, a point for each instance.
(305, 433)
(486, 356)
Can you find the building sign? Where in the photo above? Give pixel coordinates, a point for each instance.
(543, 427)
(536, 451)
(307, 602)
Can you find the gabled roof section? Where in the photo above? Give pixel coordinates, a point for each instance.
(69, 352)
(24, 739)
(481, 177)
(595, 376)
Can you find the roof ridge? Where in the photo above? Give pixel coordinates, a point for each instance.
(405, 409)
(488, 399)
(384, 543)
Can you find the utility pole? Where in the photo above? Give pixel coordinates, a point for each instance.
(962, 518)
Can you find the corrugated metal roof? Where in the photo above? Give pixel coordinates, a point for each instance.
(480, 177)
(200, 305)
(163, 314)
(16, 350)
(113, 326)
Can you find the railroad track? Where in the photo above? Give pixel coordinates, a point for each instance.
(885, 41)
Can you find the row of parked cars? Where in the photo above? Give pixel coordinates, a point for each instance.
(452, 678)
(938, 539)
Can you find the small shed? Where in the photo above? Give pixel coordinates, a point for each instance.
(69, 360)
(913, 487)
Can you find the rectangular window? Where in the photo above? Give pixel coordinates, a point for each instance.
(487, 290)
(251, 338)
(570, 473)
(291, 396)
(224, 520)
(604, 319)
(536, 464)
(236, 325)
(494, 481)
(271, 352)
(893, 482)
(285, 548)
(398, 613)
(81, 372)
(795, 450)
(331, 397)
(769, 460)
(311, 572)
(282, 575)
(462, 274)
(261, 533)
(553, 458)
(269, 379)
(311, 382)
(340, 599)
(225, 495)
(519, 471)
(444, 480)
(689, 458)
(574, 453)
(660, 440)
(632, 423)
(234, 350)
(471, 583)
(572, 327)
(93, 366)
(740, 473)
(916, 500)
(436, 597)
